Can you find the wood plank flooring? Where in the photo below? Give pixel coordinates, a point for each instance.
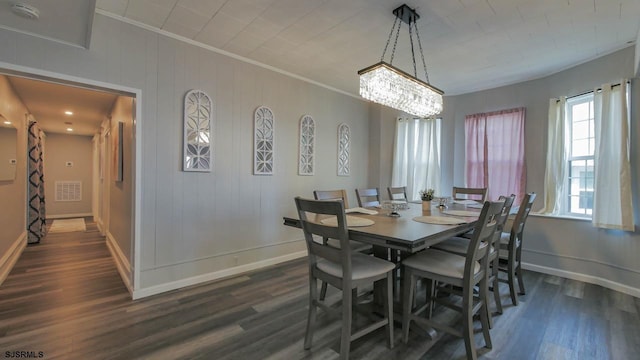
(64, 298)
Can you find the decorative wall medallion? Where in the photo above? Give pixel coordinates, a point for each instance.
(263, 141)
(306, 161)
(344, 142)
(198, 108)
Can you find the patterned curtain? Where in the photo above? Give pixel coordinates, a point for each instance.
(37, 229)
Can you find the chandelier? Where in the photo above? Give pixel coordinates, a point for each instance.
(387, 85)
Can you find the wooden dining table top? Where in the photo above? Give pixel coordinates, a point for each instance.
(403, 233)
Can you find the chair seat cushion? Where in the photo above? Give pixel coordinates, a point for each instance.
(456, 245)
(362, 267)
(439, 262)
(505, 237)
(355, 246)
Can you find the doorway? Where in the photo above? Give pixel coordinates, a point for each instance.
(111, 191)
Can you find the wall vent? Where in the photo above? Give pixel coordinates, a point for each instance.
(68, 190)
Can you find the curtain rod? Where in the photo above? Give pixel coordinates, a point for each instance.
(590, 91)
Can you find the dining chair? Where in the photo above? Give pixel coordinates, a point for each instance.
(460, 245)
(332, 195)
(448, 269)
(356, 246)
(462, 193)
(510, 253)
(341, 268)
(398, 193)
(368, 197)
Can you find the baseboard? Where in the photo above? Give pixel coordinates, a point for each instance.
(67, 216)
(9, 259)
(100, 226)
(122, 263)
(237, 270)
(584, 278)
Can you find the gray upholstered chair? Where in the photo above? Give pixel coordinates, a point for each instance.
(398, 193)
(368, 197)
(510, 259)
(342, 269)
(462, 193)
(444, 269)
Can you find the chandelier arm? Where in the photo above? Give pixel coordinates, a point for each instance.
(424, 63)
(389, 39)
(395, 43)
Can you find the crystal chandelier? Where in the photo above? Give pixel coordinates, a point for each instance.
(387, 85)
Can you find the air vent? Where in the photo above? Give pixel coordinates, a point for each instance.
(25, 11)
(68, 190)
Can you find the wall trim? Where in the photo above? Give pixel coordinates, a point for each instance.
(575, 258)
(121, 261)
(217, 275)
(10, 258)
(584, 278)
(68, 216)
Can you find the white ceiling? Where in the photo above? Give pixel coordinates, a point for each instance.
(47, 102)
(469, 45)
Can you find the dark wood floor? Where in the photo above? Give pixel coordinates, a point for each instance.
(64, 298)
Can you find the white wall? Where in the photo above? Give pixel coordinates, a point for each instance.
(194, 224)
(13, 192)
(60, 149)
(559, 245)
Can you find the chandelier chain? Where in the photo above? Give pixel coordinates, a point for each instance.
(395, 43)
(413, 53)
(424, 63)
(389, 40)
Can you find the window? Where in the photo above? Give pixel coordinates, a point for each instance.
(588, 172)
(581, 139)
(416, 156)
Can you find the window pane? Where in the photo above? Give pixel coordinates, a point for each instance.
(580, 148)
(581, 112)
(580, 130)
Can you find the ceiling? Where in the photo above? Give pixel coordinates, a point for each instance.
(469, 45)
(47, 102)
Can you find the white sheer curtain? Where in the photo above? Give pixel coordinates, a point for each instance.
(612, 206)
(557, 157)
(416, 156)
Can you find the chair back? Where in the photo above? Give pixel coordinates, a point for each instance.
(502, 218)
(368, 197)
(311, 214)
(479, 194)
(332, 195)
(483, 235)
(398, 193)
(517, 229)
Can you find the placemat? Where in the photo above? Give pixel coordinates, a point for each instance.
(465, 202)
(440, 220)
(361, 210)
(462, 213)
(352, 221)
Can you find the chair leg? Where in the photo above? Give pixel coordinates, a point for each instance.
(485, 321)
(407, 302)
(512, 285)
(345, 338)
(467, 319)
(520, 282)
(388, 305)
(311, 316)
(496, 287)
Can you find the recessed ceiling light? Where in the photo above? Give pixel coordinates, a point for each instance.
(68, 112)
(69, 129)
(7, 122)
(25, 11)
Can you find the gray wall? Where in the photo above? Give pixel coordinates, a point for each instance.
(193, 224)
(59, 149)
(564, 245)
(13, 192)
